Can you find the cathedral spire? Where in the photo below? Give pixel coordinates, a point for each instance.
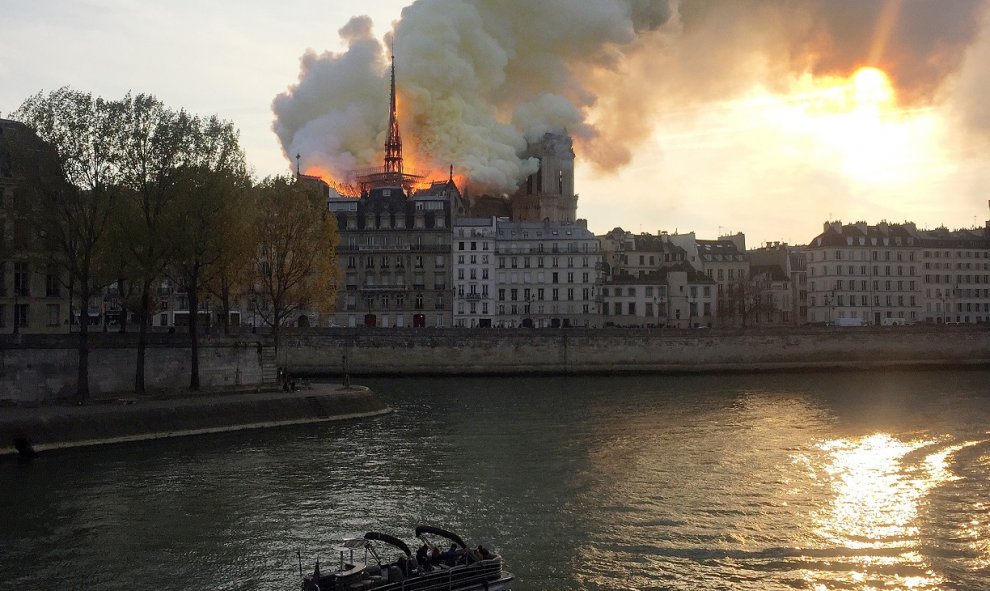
(393, 145)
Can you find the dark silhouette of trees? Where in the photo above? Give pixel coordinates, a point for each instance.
(73, 218)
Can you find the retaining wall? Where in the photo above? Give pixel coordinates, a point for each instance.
(54, 427)
(545, 351)
(36, 368)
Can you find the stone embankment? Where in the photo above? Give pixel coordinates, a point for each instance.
(624, 351)
(50, 427)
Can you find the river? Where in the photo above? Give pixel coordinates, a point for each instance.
(815, 481)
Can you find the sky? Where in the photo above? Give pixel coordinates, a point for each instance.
(766, 117)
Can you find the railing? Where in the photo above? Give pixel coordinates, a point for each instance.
(441, 579)
(392, 247)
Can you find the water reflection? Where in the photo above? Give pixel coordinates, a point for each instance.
(880, 485)
(755, 483)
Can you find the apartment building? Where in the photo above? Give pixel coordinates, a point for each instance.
(474, 263)
(547, 275)
(895, 274)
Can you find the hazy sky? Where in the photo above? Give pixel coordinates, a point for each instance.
(712, 116)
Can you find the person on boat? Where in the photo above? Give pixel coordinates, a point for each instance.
(423, 557)
(484, 553)
(451, 555)
(435, 558)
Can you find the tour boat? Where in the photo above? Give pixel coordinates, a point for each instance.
(434, 568)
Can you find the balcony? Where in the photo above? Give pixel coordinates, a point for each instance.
(389, 248)
(380, 288)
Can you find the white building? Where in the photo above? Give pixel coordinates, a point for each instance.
(474, 272)
(547, 275)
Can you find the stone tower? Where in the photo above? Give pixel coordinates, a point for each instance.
(548, 194)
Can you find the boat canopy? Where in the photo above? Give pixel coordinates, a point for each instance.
(391, 540)
(429, 529)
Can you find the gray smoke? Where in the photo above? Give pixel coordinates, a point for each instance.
(477, 78)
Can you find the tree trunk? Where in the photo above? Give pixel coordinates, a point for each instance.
(192, 288)
(225, 302)
(142, 336)
(123, 305)
(82, 375)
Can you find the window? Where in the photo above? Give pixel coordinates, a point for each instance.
(21, 280)
(21, 313)
(52, 283)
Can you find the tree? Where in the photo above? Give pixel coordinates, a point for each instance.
(215, 179)
(294, 260)
(154, 146)
(234, 271)
(73, 219)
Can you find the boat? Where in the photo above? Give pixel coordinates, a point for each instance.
(383, 562)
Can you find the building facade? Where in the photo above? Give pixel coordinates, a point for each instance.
(474, 267)
(33, 296)
(394, 257)
(895, 274)
(547, 275)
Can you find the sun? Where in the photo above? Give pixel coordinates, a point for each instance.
(871, 88)
(853, 125)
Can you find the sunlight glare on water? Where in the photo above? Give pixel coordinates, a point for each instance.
(852, 482)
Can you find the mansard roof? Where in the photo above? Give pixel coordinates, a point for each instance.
(694, 275)
(885, 234)
(509, 230)
(773, 272)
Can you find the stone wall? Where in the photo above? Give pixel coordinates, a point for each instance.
(37, 368)
(545, 351)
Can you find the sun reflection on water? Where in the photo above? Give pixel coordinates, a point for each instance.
(880, 484)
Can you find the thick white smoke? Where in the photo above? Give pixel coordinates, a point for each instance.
(477, 78)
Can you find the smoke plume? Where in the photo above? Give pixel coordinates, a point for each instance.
(478, 78)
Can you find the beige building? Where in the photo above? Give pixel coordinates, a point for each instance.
(33, 297)
(783, 261)
(649, 282)
(895, 274)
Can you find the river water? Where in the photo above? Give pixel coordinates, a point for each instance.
(788, 481)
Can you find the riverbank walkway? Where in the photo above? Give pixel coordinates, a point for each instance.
(176, 414)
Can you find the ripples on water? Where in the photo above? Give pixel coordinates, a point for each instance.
(822, 482)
